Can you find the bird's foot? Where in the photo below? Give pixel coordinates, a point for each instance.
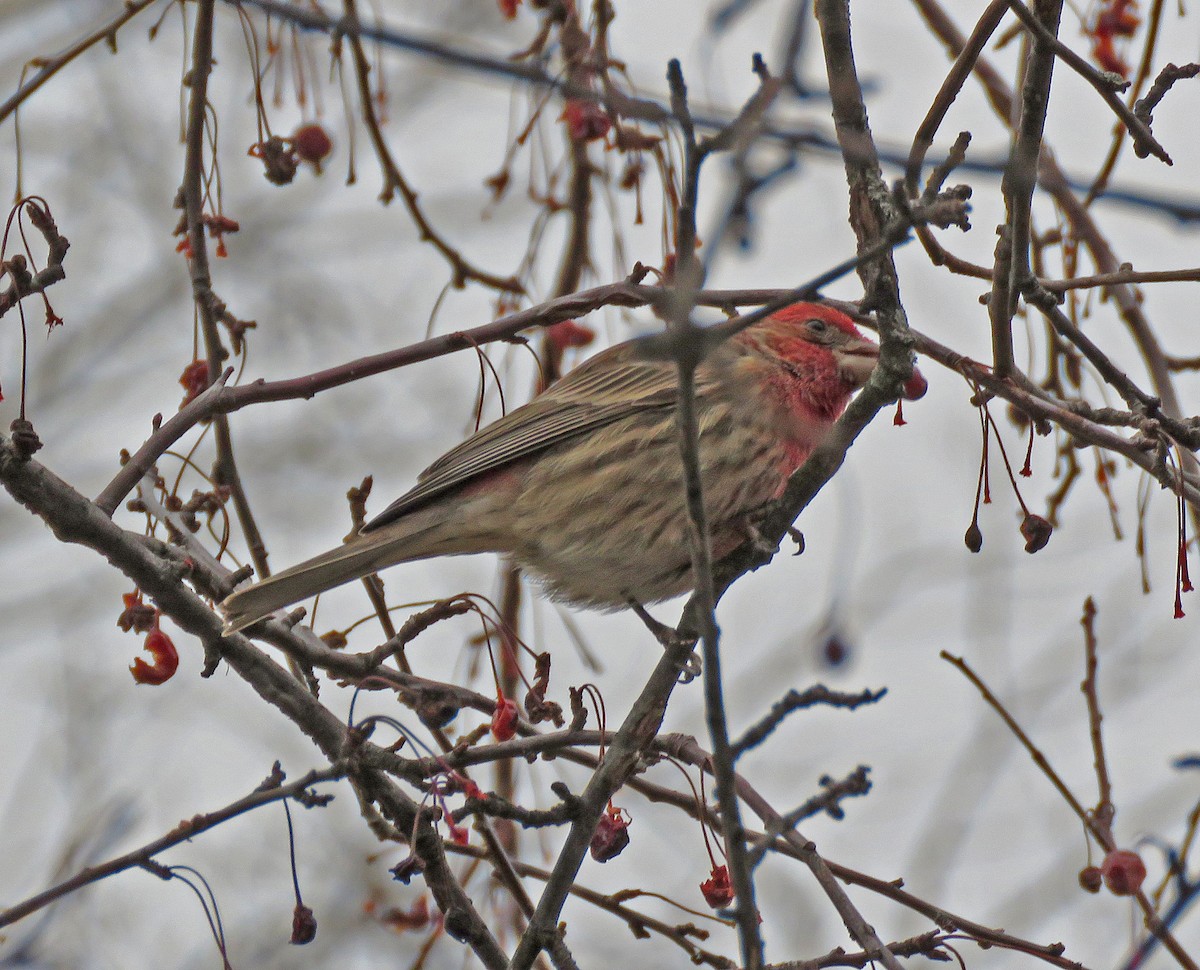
(764, 546)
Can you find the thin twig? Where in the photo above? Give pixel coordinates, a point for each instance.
(1079, 219)
(1144, 142)
(681, 935)
(688, 351)
(1100, 834)
(1098, 828)
(49, 66)
(1020, 179)
(183, 832)
(795, 700)
(208, 306)
(394, 180)
(1104, 810)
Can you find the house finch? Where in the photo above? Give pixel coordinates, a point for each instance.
(582, 486)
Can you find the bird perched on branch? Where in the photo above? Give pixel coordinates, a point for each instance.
(583, 487)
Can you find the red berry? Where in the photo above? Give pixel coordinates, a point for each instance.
(717, 889)
(586, 120)
(916, 386)
(312, 143)
(568, 333)
(1124, 872)
(166, 660)
(504, 719)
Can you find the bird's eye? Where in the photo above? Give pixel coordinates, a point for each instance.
(818, 328)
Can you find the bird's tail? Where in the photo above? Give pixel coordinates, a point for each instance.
(359, 557)
(434, 531)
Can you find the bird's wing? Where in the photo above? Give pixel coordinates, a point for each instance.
(606, 388)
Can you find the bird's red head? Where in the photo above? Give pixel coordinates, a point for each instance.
(826, 344)
(798, 314)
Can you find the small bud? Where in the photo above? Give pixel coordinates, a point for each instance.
(24, 439)
(974, 537)
(406, 868)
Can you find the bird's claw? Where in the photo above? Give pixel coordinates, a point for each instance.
(690, 668)
(797, 537)
(764, 546)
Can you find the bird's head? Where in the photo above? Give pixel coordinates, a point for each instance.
(826, 350)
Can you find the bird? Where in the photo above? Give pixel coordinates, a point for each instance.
(583, 485)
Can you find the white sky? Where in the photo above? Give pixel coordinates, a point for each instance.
(96, 766)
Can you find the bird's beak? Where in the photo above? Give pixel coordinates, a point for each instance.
(857, 359)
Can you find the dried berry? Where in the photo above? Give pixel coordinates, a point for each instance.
(137, 616)
(304, 925)
(278, 157)
(1036, 531)
(194, 380)
(611, 835)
